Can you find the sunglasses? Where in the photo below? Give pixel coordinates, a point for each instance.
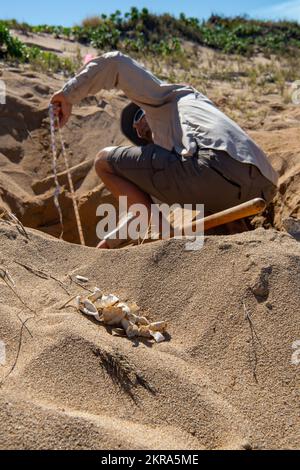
(138, 116)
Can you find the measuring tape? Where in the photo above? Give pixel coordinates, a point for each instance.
(57, 192)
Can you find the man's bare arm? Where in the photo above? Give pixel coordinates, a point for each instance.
(62, 107)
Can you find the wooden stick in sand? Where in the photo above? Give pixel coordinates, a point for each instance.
(247, 209)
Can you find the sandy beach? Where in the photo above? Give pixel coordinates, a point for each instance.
(224, 379)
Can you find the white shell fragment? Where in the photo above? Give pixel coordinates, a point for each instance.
(159, 338)
(124, 307)
(122, 316)
(89, 307)
(82, 279)
(77, 302)
(96, 295)
(107, 301)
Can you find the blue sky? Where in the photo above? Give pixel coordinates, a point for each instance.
(70, 12)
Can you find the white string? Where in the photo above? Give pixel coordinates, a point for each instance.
(77, 216)
(57, 191)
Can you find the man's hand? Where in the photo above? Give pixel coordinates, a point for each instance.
(62, 108)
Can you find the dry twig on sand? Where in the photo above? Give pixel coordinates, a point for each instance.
(42, 274)
(33, 270)
(4, 274)
(68, 301)
(12, 218)
(6, 277)
(24, 326)
(254, 366)
(254, 336)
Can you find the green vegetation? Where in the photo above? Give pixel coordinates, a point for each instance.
(130, 33)
(243, 36)
(140, 28)
(144, 34)
(11, 48)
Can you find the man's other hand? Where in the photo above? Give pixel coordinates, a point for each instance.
(62, 108)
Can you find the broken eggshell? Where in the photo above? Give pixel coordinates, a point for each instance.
(107, 301)
(133, 307)
(125, 308)
(143, 321)
(109, 310)
(113, 315)
(132, 331)
(159, 338)
(159, 326)
(96, 295)
(144, 332)
(87, 307)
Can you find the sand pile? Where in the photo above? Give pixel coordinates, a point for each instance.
(223, 380)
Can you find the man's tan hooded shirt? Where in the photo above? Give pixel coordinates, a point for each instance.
(180, 117)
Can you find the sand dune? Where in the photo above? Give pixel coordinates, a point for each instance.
(223, 380)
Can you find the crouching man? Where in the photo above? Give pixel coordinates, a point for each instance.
(185, 150)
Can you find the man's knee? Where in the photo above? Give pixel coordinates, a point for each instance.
(101, 162)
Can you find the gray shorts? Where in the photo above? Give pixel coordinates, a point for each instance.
(211, 177)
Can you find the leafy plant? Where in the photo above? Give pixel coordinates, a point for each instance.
(9, 45)
(140, 30)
